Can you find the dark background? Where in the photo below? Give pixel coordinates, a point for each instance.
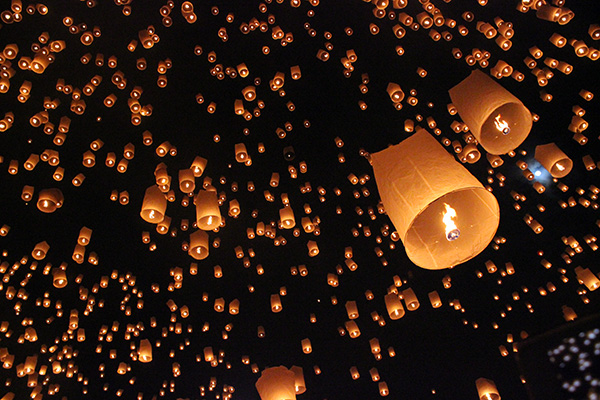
(439, 352)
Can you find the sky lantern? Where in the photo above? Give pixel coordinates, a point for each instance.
(553, 159)
(442, 213)
(497, 119)
(154, 205)
(49, 200)
(277, 383)
(486, 389)
(208, 215)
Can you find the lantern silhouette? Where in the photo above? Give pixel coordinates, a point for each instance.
(276, 383)
(442, 213)
(554, 160)
(499, 120)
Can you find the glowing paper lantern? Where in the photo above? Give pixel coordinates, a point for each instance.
(49, 200)
(554, 160)
(486, 389)
(499, 120)
(208, 216)
(299, 376)
(425, 192)
(198, 245)
(277, 383)
(145, 351)
(154, 205)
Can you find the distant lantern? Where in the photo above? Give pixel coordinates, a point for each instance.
(300, 385)
(486, 389)
(59, 278)
(276, 383)
(442, 213)
(394, 306)
(554, 160)
(40, 250)
(49, 200)
(154, 205)
(499, 120)
(145, 351)
(208, 215)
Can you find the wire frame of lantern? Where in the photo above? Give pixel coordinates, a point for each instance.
(277, 383)
(498, 120)
(442, 213)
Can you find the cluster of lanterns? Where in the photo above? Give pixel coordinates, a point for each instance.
(442, 214)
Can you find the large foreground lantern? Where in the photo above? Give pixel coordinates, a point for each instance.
(442, 213)
(277, 383)
(498, 120)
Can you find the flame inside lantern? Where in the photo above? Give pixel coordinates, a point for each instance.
(501, 125)
(452, 232)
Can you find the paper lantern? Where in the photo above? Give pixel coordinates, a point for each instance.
(300, 385)
(40, 250)
(208, 216)
(276, 303)
(49, 200)
(154, 205)
(145, 351)
(198, 245)
(554, 160)
(486, 389)
(276, 383)
(422, 187)
(499, 120)
(394, 306)
(286, 215)
(59, 278)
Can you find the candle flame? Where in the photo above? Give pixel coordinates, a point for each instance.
(452, 232)
(501, 125)
(559, 167)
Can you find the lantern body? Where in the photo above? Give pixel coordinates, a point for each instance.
(198, 245)
(49, 200)
(300, 386)
(479, 101)
(486, 389)
(145, 351)
(154, 205)
(416, 180)
(277, 383)
(208, 215)
(554, 160)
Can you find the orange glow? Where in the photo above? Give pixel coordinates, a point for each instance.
(451, 230)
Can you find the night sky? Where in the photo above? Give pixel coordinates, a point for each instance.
(430, 353)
